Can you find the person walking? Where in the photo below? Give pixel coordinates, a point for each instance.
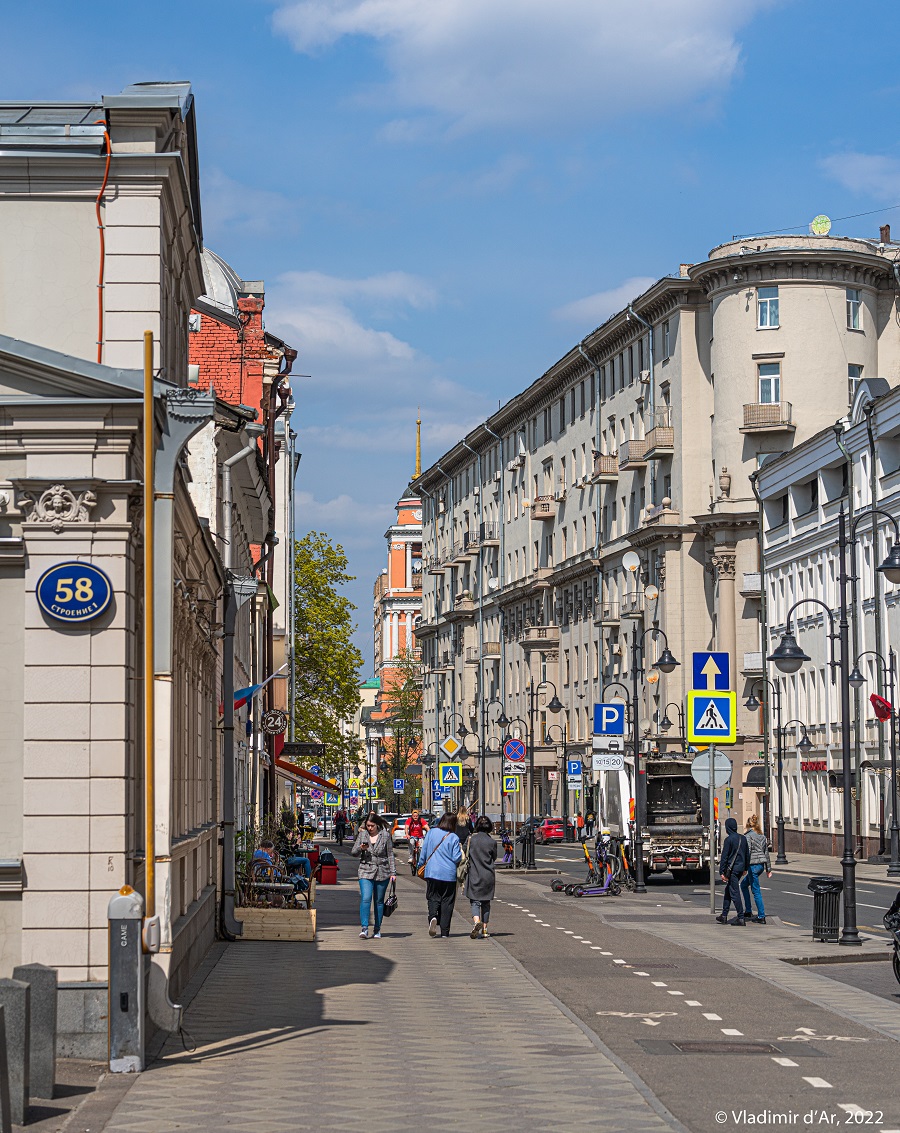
(732, 866)
(464, 826)
(480, 879)
(589, 824)
(579, 826)
(375, 849)
(340, 826)
(758, 845)
(441, 854)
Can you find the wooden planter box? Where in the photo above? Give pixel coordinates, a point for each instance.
(277, 924)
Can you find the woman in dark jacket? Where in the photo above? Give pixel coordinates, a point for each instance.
(480, 879)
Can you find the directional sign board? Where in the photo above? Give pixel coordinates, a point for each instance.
(700, 769)
(609, 719)
(607, 761)
(451, 774)
(712, 672)
(451, 746)
(511, 784)
(398, 786)
(514, 750)
(711, 717)
(573, 767)
(438, 792)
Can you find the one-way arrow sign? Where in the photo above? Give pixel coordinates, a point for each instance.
(712, 672)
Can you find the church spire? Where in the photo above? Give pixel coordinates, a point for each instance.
(418, 471)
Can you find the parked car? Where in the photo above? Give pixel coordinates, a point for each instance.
(398, 829)
(551, 830)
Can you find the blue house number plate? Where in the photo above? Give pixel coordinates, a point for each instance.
(73, 592)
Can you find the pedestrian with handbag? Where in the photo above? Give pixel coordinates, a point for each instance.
(439, 858)
(758, 845)
(732, 866)
(481, 876)
(375, 849)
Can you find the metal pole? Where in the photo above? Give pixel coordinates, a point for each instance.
(894, 867)
(850, 933)
(149, 700)
(565, 785)
(639, 794)
(780, 858)
(712, 830)
(529, 841)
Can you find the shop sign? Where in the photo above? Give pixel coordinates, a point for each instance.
(73, 592)
(813, 765)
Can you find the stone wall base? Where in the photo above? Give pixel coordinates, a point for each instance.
(81, 1021)
(823, 842)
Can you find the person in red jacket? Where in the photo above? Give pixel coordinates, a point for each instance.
(416, 829)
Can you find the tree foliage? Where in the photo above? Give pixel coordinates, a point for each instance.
(327, 663)
(401, 702)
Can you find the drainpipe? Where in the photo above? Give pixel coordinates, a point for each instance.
(434, 684)
(764, 639)
(238, 591)
(501, 565)
(482, 786)
(868, 410)
(652, 399)
(294, 458)
(597, 516)
(452, 582)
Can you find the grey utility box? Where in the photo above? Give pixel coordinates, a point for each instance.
(126, 982)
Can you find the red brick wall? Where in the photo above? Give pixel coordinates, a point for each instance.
(232, 360)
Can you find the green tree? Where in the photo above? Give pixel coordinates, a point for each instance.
(326, 661)
(402, 705)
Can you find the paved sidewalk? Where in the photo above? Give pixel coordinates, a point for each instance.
(403, 1032)
(814, 864)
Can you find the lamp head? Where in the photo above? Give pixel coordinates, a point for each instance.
(463, 730)
(666, 662)
(856, 679)
(805, 745)
(665, 723)
(788, 657)
(555, 704)
(503, 720)
(890, 568)
(752, 702)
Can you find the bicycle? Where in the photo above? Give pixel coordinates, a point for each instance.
(414, 844)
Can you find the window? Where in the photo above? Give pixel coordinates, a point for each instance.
(665, 339)
(769, 383)
(767, 308)
(854, 377)
(853, 304)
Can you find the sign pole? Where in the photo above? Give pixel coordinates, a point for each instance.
(712, 829)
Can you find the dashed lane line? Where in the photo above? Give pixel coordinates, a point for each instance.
(731, 1031)
(675, 993)
(819, 1083)
(784, 1061)
(712, 1016)
(692, 1003)
(659, 983)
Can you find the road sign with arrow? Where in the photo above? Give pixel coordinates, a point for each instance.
(712, 672)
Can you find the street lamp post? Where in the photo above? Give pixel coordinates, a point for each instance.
(665, 723)
(553, 706)
(753, 704)
(564, 783)
(789, 657)
(857, 680)
(485, 721)
(666, 663)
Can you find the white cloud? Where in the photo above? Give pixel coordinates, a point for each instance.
(869, 174)
(229, 205)
(595, 309)
(504, 63)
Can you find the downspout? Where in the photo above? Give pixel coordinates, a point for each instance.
(434, 685)
(652, 398)
(501, 565)
(482, 786)
(764, 638)
(869, 409)
(294, 458)
(595, 776)
(238, 591)
(854, 625)
(452, 582)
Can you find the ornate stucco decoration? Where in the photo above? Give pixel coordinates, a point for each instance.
(58, 505)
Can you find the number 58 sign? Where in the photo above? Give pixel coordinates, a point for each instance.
(73, 592)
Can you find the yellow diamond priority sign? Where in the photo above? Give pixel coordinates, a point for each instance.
(451, 746)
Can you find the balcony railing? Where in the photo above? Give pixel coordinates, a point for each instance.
(490, 534)
(539, 637)
(632, 606)
(660, 440)
(607, 614)
(632, 454)
(490, 650)
(767, 417)
(606, 469)
(543, 507)
(435, 565)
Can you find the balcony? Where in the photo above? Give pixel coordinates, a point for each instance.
(752, 587)
(773, 417)
(662, 515)
(632, 606)
(539, 637)
(471, 542)
(490, 651)
(660, 440)
(540, 578)
(490, 534)
(463, 607)
(753, 665)
(607, 614)
(435, 565)
(606, 469)
(632, 454)
(543, 507)
(459, 554)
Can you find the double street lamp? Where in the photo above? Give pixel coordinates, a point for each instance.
(753, 703)
(502, 722)
(857, 680)
(564, 781)
(789, 657)
(554, 705)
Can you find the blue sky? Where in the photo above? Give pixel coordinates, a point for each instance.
(444, 195)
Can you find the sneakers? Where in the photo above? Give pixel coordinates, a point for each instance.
(478, 930)
(484, 932)
(760, 920)
(377, 936)
(432, 927)
(722, 920)
(364, 934)
(739, 921)
(409, 860)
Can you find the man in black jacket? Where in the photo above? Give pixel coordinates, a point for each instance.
(732, 866)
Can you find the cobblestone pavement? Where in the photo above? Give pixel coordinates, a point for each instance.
(402, 1032)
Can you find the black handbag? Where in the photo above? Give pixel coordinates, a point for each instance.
(391, 902)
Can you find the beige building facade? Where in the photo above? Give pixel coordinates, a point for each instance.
(641, 439)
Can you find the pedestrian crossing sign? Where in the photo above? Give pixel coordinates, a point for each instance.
(711, 717)
(510, 784)
(451, 775)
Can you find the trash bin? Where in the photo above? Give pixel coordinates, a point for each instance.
(826, 893)
(328, 874)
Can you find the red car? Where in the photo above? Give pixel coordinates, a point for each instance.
(551, 830)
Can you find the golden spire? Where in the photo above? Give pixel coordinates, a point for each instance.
(418, 471)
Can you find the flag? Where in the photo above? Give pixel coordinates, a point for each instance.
(242, 695)
(881, 707)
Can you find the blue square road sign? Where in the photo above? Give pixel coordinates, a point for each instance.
(712, 672)
(609, 719)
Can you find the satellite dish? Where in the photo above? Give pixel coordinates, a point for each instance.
(493, 583)
(651, 593)
(631, 561)
(652, 677)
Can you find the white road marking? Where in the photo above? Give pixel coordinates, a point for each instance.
(578, 938)
(640, 973)
(659, 983)
(819, 1083)
(597, 948)
(711, 1015)
(609, 954)
(851, 1107)
(585, 942)
(730, 1031)
(693, 1003)
(533, 915)
(675, 993)
(569, 932)
(784, 1061)
(615, 961)
(791, 893)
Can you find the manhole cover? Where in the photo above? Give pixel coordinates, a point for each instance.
(725, 1048)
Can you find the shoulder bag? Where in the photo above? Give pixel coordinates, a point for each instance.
(463, 868)
(420, 872)
(391, 902)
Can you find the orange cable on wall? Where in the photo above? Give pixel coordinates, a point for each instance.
(100, 227)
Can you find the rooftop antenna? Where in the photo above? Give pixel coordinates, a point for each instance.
(418, 471)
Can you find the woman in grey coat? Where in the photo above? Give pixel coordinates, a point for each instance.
(482, 853)
(375, 848)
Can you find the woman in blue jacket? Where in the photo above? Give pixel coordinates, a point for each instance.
(441, 854)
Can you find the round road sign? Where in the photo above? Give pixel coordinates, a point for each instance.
(700, 769)
(514, 750)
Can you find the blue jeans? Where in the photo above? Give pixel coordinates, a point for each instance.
(749, 881)
(369, 889)
(302, 862)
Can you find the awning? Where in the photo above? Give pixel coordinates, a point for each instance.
(301, 773)
(756, 777)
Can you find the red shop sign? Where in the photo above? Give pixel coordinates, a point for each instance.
(813, 765)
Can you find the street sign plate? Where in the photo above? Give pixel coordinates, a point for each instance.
(700, 769)
(609, 719)
(514, 769)
(398, 786)
(316, 794)
(372, 792)
(712, 672)
(712, 716)
(573, 767)
(353, 784)
(573, 781)
(511, 784)
(451, 746)
(316, 769)
(607, 761)
(514, 750)
(439, 792)
(552, 776)
(450, 775)
(330, 799)
(608, 743)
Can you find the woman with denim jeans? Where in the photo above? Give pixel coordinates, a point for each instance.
(759, 861)
(375, 849)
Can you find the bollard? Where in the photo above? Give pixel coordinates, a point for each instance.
(42, 1053)
(126, 982)
(15, 999)
(5, 1117)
